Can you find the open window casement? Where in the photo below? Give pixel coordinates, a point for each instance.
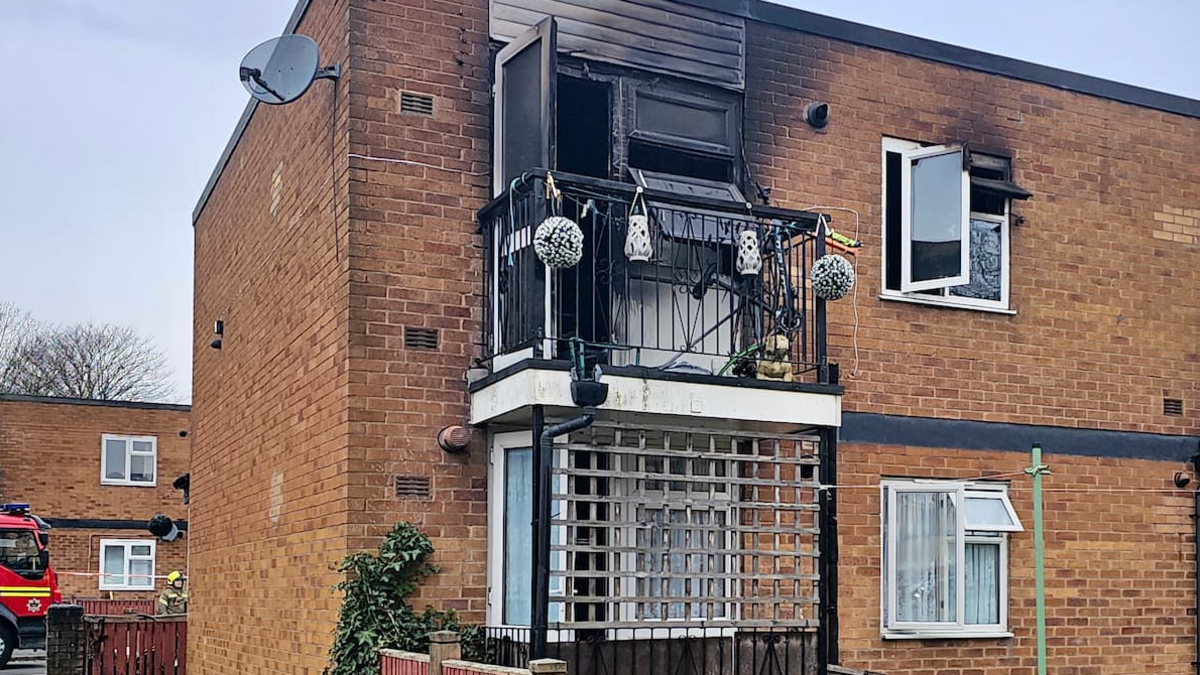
(525, 104)
(935, 225)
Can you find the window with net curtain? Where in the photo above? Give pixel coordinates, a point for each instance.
(945, 558)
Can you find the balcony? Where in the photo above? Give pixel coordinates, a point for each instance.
(690, 313)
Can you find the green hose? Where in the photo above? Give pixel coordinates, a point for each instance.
(735, 357)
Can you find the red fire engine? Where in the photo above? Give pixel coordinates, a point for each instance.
(28, 585)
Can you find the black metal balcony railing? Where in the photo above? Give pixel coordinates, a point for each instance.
(658, 649)
(686, 309)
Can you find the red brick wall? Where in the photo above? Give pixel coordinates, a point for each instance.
(50, 458)
(76, 557)
(270, 488)
(315, 405)
(1119, 566)
(1105, 322)
(417, 261)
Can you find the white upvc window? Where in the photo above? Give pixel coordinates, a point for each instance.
(126, 564)
(945, 559)
(128, 460)
(946, 242)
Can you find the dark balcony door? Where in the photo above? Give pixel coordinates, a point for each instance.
(525, 104)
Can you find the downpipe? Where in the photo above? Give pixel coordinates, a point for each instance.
(541, 589)
(1196, 563)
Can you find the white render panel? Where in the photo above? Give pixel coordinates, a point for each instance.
(552, 388)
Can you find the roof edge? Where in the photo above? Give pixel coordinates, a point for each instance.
(846, 31)
(62, 400)
(243, 121)
(941, 52)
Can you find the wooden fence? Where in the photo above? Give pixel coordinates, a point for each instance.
(137, 646)
(99, 607)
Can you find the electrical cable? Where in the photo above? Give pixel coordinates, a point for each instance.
(854, 295)
(337, 242)
(410, 162)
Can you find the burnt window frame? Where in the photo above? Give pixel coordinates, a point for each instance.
(944, 297)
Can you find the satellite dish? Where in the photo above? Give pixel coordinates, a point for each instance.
(280, 70)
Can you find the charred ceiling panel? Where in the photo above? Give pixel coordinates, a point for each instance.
(658, 35)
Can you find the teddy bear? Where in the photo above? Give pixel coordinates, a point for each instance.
(775, 363)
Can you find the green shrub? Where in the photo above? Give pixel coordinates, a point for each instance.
(374, 612)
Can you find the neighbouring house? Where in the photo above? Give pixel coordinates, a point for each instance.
(97, 472)
(393, 347)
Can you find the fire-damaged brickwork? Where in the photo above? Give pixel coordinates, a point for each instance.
(316, 403)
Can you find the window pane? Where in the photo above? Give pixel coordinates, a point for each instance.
(937, 212)
(140, 550)
(113, 566)
(18, 550)
(143, 446)
(114, 459)
(986, 259)
(987, 512)
(983, 584)
(926, 548)
(141, 468)
(518, 535)
(140, 572)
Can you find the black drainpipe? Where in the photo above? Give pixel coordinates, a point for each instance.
(544, 460)
(1196, 563)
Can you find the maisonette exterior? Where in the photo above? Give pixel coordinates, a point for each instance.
(97, 472)
(670, 447)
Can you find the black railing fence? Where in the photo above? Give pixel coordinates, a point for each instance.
(676, 651)
(690, 307)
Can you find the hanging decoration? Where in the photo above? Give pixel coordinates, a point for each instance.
(638, 246)
(832, 277)
(558, 240)
(749, 258)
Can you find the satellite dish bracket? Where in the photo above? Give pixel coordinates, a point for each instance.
(333, 72)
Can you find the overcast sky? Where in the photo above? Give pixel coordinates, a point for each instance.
(115, 111)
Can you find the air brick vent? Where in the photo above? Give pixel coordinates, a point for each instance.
(1172, 406)
(412, 487)
(420, 338)
(416, 104)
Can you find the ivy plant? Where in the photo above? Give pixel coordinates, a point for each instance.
(375, 614)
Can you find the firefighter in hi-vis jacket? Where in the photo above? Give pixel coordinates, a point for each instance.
(173, 600)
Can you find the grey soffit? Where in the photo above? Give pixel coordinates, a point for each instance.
(18, 398)
(929, 432)
(104, 524)
(657, 35)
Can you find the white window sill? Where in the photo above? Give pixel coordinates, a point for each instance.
(948, 635)
(125, 483)
(119, 589)
(942, 302)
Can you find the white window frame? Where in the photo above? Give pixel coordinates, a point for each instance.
(906, 149)
(907, 159)
(127, 480)
(127, 557)
(959, 492)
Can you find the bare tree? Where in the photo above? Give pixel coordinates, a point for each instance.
(16, 326)
(80, 361)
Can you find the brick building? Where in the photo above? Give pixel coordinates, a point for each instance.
(97, 471)
(1025, 276)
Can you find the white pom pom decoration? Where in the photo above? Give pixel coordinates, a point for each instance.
(558, 242)
(832, 277)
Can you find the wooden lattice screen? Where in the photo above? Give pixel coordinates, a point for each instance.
(673, 527)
